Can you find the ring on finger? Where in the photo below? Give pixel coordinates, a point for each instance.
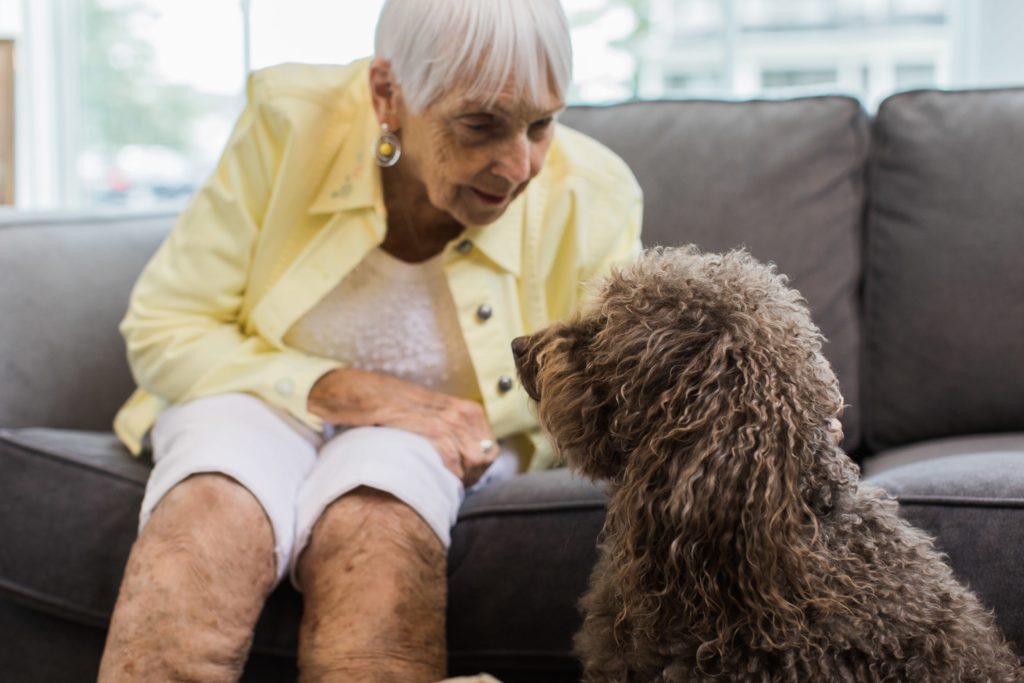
(487, 445)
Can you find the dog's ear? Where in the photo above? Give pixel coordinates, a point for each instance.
(574, 400)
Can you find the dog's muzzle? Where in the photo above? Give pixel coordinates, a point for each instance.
(520, 345)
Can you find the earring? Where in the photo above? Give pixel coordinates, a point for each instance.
(388, 148)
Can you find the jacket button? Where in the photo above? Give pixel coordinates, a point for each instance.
(285, 386)
(505, 384)
(464, 247)
(484, 312)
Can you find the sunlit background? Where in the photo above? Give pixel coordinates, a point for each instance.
(127, 103)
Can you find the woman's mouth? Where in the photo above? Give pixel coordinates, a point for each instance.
(487, 198)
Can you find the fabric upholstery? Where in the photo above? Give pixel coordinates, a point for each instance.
(974, 505)
(522, 550)
(782, 178)
(69, 505)
(69, 511)
(42, 648)
(939, 448)
(944, 284)
(64, 286)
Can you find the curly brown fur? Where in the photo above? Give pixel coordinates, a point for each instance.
(738, 544)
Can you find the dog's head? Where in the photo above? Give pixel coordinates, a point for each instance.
(681, 348)
(696, 384)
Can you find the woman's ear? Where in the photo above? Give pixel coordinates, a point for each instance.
(385, 93)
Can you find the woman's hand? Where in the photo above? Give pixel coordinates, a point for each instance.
(458, 429)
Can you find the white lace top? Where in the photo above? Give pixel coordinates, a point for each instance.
(392, 317)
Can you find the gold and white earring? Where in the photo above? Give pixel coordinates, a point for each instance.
(388, 148)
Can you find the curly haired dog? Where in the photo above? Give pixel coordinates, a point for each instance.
(738, 545)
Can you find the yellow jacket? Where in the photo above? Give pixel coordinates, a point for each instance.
(295, 203)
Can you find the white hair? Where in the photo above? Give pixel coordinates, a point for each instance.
(435, 44)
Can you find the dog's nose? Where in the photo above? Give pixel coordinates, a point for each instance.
(519, 346)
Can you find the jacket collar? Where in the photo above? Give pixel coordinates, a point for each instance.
(502, 240)
(353, 181)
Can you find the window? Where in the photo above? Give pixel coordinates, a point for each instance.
(789, 78)
(157, 93)
(910, 76)
(6, 122)
(708, 81)
(127, 103)
(314, 31)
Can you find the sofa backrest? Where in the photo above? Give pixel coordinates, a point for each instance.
(944, 279)
(943, 350)
(64, 286)
(785, 179)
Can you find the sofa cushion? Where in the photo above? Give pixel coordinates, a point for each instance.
(43, 648)
(974, 505)
(521, 553)
(69, 508)
(69, 513)
(941, 448)
(64, 286)
(944, 282)
(782, 178)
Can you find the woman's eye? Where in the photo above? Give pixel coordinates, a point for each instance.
(478, 124)
(539, 128)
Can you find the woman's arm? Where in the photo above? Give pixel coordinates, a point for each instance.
(182, 326)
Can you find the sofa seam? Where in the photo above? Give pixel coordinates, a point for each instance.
(47, 219)
(34, 599)
(31, 599)
(514, 655)
(964, 501)
(54, 457)
(538, 508)
(876, 141)
(861, 129)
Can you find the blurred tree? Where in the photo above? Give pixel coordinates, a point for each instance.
(123, 100)
(633, 42)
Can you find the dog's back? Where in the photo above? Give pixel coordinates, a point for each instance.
(910, 621)
(913, 621)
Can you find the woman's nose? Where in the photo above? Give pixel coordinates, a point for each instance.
(514, 164)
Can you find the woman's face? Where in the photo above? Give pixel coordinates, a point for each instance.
(475, 159)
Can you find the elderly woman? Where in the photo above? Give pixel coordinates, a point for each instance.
(322, 342)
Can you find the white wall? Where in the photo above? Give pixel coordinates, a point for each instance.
(10, 18)
(989, 49)
(998, 46)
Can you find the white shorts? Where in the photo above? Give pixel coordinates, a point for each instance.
(295, 472)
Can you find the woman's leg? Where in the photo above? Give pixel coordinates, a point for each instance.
(373, 577)
(194, 586)
(373, 526)
(217, 530)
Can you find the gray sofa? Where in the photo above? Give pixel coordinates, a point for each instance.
(904, 231)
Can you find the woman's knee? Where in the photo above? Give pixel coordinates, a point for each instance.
(212, 522)
(368, 512)
(367, 522)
